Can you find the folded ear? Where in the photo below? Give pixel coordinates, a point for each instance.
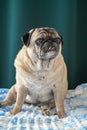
(61, 39)
(26, 38)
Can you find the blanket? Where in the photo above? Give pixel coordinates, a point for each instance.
(31, 117)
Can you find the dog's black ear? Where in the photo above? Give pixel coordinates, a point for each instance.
(26, 38)
(61, 39)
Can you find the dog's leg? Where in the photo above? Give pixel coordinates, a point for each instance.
(21, 95)
(59, 101)
(10, 98)
(46, 108)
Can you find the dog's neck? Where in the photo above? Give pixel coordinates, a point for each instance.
(39, 65)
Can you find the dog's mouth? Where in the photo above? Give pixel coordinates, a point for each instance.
(48, 48)
(48, 52)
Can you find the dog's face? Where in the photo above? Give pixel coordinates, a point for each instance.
(43, 42)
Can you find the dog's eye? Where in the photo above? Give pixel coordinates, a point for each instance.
(39, 41)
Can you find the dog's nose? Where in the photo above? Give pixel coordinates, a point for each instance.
(51, 48)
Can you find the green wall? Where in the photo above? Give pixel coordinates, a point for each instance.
(69, 17)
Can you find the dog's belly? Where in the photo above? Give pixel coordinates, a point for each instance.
(39, 93)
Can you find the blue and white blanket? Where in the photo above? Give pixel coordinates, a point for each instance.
(31, 118)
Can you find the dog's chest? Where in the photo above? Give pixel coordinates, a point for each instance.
(40, 90)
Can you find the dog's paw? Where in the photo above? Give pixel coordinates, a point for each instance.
(14, 111)
(46, 112)
(0, 104)
(61, 114)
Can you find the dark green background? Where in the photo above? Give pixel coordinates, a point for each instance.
(69, 17)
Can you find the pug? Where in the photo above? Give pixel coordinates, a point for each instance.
(41, 73)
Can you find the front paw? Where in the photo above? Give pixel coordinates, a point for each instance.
(0, 104)
(61, 114)
(14, 111)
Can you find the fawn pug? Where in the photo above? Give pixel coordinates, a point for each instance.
(41, 73)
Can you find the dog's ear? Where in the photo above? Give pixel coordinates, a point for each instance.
(26, 38)
(61, 39)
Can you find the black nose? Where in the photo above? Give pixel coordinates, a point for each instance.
(51, 48)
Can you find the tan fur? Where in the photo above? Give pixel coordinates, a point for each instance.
(36, 79)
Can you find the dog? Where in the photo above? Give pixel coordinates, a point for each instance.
(41, 73)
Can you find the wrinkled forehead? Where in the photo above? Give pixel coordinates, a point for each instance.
(45, 32)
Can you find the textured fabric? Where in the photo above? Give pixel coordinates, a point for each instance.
(31, 118)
